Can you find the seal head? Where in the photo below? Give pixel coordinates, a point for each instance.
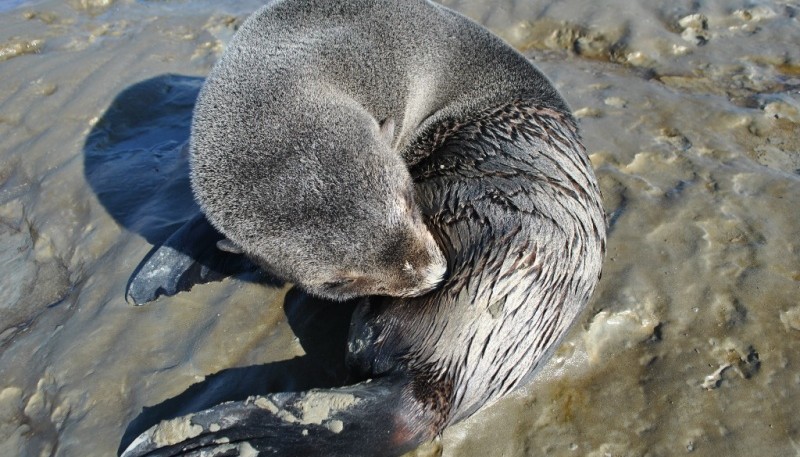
(327, 205)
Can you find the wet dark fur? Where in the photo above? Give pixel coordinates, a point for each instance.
(514, 203)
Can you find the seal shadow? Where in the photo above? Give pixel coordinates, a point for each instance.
(137, 163)
(135, 158)
(322, 328)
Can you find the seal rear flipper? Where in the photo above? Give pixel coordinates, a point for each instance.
(366, 419)
(190, 256)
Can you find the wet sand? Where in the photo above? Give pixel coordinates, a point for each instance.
(691, 345)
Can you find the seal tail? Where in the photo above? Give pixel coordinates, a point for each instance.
(372, 418)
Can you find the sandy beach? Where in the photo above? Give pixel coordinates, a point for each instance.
(690, 111)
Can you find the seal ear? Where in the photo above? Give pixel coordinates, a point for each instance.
(387, 130)
(226, 245)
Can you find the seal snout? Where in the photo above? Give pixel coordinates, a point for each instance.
(417, 263)
(410, 265)
(424, 275)
(427, 279)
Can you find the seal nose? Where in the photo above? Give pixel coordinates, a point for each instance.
(426, 276)
(414, 262)
(432, 272)
(433, 275)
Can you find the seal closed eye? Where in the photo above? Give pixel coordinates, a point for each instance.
(500, 181)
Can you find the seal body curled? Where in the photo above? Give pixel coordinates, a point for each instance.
(500, 181)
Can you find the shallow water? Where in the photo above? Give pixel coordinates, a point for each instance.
(691, 113)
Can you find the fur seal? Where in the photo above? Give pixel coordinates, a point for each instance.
(500, 179)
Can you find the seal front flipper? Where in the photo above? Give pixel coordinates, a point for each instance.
(190, 256)
(381, 417)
